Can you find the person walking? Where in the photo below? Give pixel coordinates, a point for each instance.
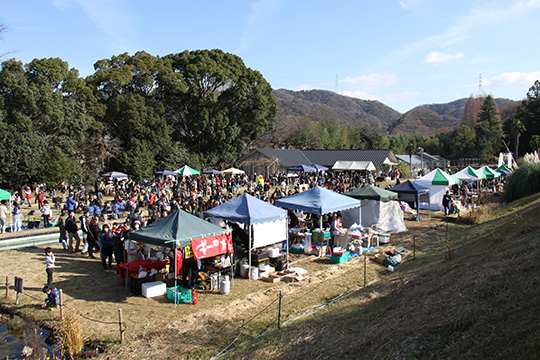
(17, 217)
(85, 227)
(93, 236)
(71, 228)
(46, 212)
(62, 227)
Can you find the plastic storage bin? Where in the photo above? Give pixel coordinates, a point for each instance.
(182, 295)
(338, 259)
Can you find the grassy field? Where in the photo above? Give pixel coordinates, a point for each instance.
(469, 288)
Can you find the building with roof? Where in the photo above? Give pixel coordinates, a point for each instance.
(271, 161)
(423, 160)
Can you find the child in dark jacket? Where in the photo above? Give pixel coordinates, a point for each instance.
(106, 246)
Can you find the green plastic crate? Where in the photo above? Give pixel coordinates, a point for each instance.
(182, 295)
(338, 259)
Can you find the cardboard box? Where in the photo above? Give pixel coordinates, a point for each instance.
(271, 279)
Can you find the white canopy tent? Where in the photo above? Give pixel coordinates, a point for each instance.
(354, 165)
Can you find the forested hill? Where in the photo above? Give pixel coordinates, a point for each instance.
(322, 105)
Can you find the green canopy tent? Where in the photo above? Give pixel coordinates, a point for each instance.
(372, 192)
(181, 229)
(186, 171)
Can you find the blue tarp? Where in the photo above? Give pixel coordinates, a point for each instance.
(318, 200)
(247, 209)
(412, 192)
(302, 167)
(213, 171)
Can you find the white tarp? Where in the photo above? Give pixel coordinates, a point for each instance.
(270, 232)
(354, 165)
(436, 194)
(387, 216)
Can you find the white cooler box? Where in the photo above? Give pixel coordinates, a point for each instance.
(153, 289)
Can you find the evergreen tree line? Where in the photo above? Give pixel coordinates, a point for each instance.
(483, 133)
(135, 114)
(204, 108)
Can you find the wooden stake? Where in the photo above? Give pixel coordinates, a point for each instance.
(279, 312)
(414, 246)
(121, 324)
(365, 261)
(7, 286)
(61, 305)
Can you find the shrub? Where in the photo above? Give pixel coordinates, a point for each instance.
(523, 182)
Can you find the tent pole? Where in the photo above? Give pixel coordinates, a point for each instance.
(287, 246)
(175, 278)
(249, 254)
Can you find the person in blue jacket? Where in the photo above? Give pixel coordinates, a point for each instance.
(53, 298)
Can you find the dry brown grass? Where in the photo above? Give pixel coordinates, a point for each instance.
(71, 334)
(366, 318)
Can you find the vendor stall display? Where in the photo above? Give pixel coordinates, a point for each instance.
(266, 223)
(191, 239)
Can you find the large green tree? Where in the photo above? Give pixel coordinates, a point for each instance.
(488, 130)
(529, 115)
(216, 105)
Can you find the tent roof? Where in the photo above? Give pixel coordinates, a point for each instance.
(186, 171)
(4, 195)
(354, 165)
(302, 167)
(178, 228)
(213, 171)
(488, 172)
(115, 175)
(233, 171)
(247, 209)
(469, 174)
(409, 187)
(165, 173)
(318, 200)
(437, 177)
(372, 192)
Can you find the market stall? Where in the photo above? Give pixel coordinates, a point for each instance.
(266, 223)
(409, 191)
(319, 201)
(438, 182)
(379, 208)
(190, 238)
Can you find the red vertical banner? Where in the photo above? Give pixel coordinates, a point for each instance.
(209, 246)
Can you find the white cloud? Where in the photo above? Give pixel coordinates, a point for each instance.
(408, 4)
(259, 10)
(112, 17)
(371, 82)
(436, 57)
(513, 79)
(476, 20)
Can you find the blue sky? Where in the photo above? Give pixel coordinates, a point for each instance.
(403, 53)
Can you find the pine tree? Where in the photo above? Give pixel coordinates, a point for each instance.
(488, 130)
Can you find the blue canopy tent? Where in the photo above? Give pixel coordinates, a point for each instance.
(213, 172)
(249, 210)
(318, 200)
(115, 175)
(165, 173)
(319, 167)
(302, 167)
(410, 191)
